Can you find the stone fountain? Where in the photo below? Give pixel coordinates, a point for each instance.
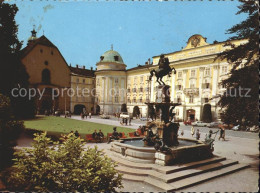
(161, 144)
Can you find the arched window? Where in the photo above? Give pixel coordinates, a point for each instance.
(46, 76)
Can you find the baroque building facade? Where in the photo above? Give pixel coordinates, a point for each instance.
(195, 84)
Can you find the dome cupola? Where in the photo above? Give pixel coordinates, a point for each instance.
(111, 60)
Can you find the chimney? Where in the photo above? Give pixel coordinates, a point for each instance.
(83, 66)
(149, 61)
(77, 66)
(91, 68)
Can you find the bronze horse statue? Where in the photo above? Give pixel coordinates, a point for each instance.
(164, 69)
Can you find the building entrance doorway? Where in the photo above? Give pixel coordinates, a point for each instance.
(191, 115)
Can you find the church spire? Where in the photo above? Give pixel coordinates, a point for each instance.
(33, 36)
(34, 32)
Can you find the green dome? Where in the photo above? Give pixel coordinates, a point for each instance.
(111, 56)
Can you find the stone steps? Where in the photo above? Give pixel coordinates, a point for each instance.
(197, 171)
(184, 183)
(171, 178)
(168, 178)
(176, 168)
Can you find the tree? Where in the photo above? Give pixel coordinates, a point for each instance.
(65, 167)
(136, 111)
(206, 113)
(10, 130)
(240, 100)
(123, 108)
(12, 72)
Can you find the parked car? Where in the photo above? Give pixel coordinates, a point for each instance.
(188, 122)
(236, 128)
(254, 129)
(104, 116)
(199, 124)
(145, 119)
(124, 115)
(214, 124)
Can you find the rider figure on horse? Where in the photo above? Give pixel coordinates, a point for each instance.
(164, 64)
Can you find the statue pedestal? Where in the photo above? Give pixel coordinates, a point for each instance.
(163, 94)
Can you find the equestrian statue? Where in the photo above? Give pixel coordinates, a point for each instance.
(164, 69)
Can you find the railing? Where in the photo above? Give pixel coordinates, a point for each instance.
(191, 91)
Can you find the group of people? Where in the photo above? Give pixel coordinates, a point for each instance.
(98, 136)
(83, 115)
(197, 134)
(125, 121)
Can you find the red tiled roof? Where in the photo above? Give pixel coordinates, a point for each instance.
(82, 71)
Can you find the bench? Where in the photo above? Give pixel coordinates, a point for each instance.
(89, 137)
(123, 135)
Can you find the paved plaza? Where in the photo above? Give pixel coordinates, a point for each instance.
(239, 146)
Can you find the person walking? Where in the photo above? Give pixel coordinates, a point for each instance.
(182, 132)
(198, 134)
(192, 131)
(130, 119)
(89, 115)
(222, 133)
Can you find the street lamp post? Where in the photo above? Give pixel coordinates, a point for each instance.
(149, 82)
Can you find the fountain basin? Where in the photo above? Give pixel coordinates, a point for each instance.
(133, 149)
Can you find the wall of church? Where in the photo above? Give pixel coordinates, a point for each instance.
(42, 58)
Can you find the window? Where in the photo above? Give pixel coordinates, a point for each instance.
(116, 99)
(46, 62)
(135, 80)
(224, 69)
(141, 100)
(101, 58)
(179, 74)
(191, 99)
(192, 73)
(128, 100)
(141, 89)
(116, 80)
(134, 100)
(141, 79)
(46, 76)
(207, 85)
(41, 50)
(192, 85)
(116, 58)
(206, 100)
(147, 98)
(51, 52)
(178, 99)
(77, 80)
(207, 71)
(128, 90)
(83, 80)
(134, 89)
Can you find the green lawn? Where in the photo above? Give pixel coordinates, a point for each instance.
(58, 125)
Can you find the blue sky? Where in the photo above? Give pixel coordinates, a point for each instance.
(83, 31)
